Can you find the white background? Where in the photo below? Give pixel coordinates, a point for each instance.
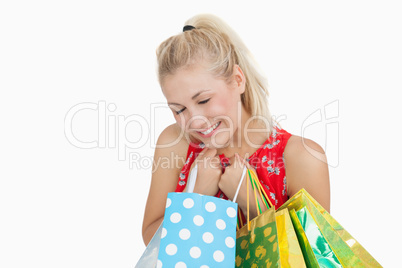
(64, 206)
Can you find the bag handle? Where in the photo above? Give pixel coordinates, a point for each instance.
(257, 189)
(241, 181)
(253, 179)
(255, 182)
(193, 177)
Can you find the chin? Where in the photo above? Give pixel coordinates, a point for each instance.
(219, 141)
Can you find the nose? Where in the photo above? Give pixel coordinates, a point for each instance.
(196, 121)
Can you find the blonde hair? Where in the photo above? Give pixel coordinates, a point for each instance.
(214, 40)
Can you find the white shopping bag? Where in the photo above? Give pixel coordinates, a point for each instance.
(150, 255)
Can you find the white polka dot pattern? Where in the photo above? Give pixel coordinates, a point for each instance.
(220, 224)
(198, 220)
(184, 234)
(195, 252)
(231, 212)
(171, 249)
(207, 237)
(175, 217)
(219, 256)
(210, 206)
(198, 231)
(188, 203)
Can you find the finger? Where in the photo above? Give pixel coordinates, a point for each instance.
(205, 156)
(215, 162)
(208, 154)
(201, 154)
(211, 152)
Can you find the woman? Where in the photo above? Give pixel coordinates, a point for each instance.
(219, 101)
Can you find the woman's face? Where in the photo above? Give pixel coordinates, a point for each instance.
(206, 107)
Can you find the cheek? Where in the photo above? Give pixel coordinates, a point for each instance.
(227, 107)
(221, 107)
(180, 120)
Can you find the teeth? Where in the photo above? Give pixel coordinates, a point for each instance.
(211, 129)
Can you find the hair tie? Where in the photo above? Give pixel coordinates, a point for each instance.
(188, 28)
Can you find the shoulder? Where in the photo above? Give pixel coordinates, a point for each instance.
(170, 154)
(170, 135)
(172, 142)
(302, 148)
(306, 167)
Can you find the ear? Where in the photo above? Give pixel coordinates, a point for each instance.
(239, 78)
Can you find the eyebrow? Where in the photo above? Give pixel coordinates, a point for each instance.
(193, 97)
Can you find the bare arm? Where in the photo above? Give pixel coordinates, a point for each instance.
(165, 172)
(306, 167)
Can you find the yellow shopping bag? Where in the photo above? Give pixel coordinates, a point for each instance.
(309, 257)
(346, 249)
(289, 248)
(355, 246)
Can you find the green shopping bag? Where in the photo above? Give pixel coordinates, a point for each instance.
(354, 245)
(348, 256)
(269, 240)
(309, 257)
(257, 241)
(322, 251)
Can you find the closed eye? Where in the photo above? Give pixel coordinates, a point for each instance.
(201, 102)
(204, 101)
(180, 111)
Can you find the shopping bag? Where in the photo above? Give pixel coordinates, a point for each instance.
(355, 246)
(289, 248)
(150, 255)
(344, 253)
(308, 254)
(322, 250)
(257, 241)
(258, 247)
(198, 231)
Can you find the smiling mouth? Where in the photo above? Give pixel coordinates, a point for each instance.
(208, 131)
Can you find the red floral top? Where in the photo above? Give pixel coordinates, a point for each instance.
(268, 162)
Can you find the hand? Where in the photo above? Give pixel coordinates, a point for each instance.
(230, 181)
(209, 172)
(231, 178)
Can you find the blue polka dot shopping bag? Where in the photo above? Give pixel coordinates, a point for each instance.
(198, 231)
